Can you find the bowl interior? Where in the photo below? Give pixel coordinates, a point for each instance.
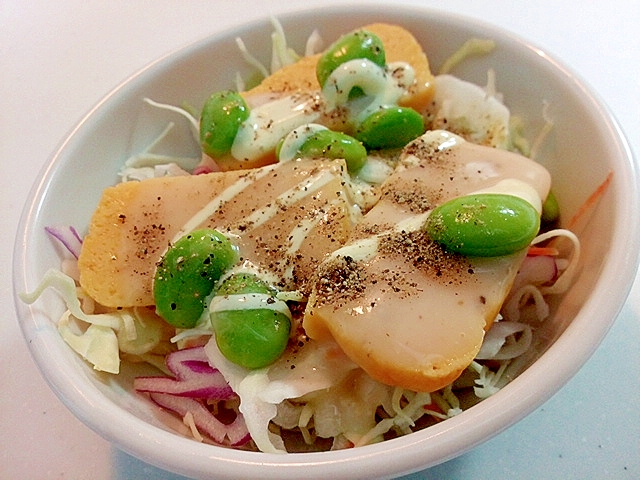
(583, 147)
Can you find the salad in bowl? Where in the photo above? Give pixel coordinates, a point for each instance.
(331, 252)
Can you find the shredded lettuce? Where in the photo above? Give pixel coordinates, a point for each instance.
(97, 344)
(66, 287)
(565, 280)
(250, 59)
(488, 382)
(281, 54)
(505, 340)
(470, 111)
(318, 367)
(101, 337)
(472, 47)
(182, 111)
(149, 164)
(315, 44)
(406, 417)
(546, 130)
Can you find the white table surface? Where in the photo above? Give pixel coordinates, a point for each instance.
(57, 59)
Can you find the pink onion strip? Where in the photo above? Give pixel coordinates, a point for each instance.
(536, 270)
(68, 236)
(194, 377)
(236, 432)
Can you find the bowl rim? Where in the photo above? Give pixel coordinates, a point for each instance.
(413, 452)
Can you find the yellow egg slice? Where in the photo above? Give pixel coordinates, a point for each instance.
(283, 217)
(405, 310)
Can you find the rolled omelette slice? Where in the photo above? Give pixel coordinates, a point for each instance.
(400, 46)
(404, 309)
(284, 218)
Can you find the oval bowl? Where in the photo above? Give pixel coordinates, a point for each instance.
(584, 146)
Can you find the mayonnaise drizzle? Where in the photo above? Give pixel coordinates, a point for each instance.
(288, 198)
(294, 140)
(268, 123)
(299, 233)
(214, 205)
(383, 86)
(248, 301)
(367, 248)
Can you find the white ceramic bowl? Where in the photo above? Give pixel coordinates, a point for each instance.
(586, 144)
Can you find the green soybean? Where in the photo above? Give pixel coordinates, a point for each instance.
(354, 45)
(390, 127)
(187, 273)
(330, 144)
(255, 335)
(484, 225)
(221, 117)
(550, 209)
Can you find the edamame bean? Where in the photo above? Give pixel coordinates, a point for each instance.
(222, 114)
(390, 127)
(358, 44)
(330, 144)
(187, 274)
(251, 325)
(484, 225)
(550, 209)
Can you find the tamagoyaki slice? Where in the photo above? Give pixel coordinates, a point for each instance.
(284, 217)
(404, 309)
(400, 46)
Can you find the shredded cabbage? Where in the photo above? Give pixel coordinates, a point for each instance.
(281, 54)
(565, 280)
(472, 47)
(97, 344)
(101, 336)
(470, 111)
(149, 164)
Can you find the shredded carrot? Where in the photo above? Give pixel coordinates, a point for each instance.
(536, 251)
(591, 201)
(433, 407)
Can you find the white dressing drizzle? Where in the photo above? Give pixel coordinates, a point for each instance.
(360, 250)
(367, 248)
(214, 205)
(296, 138)
(248, 267)
(248, 301)
(299, 234)
(288, 198)
(381, 85)
(268, 123)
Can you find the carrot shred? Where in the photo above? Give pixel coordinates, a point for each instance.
(591, 201)
(433, 407)
(535, 251)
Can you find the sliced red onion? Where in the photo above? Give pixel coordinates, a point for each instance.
(194, 377)
(236, 432)
(201, 170)
(536, 270)
(68, 236)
